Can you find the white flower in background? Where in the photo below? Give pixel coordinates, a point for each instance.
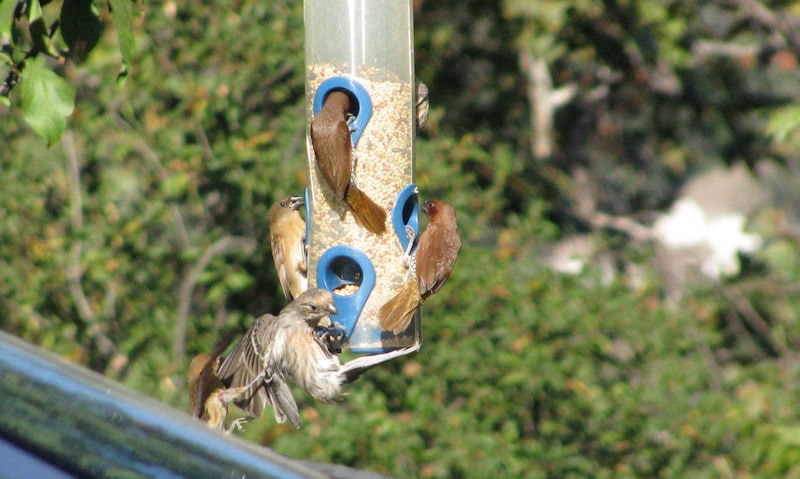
(683, 227)
(726, 237)
(720, 237)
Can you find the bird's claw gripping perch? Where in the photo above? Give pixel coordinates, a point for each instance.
(411, 234)
(332, 336)
(408, 258)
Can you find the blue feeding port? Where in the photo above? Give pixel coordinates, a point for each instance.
(360, 102)
(406, 213)
(344, 265)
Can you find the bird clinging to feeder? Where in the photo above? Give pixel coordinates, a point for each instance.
(435, 258)
(287, 230)
(277, 348)
(333, 150)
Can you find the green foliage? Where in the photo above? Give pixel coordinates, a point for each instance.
(81, 27)
(6, 17)
(123, 12)
(32, 32)
(46, 100)
(141, 239)
(784, 122)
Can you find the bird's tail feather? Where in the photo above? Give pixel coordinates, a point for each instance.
(396, 314)
(358, 366)
(367, 213)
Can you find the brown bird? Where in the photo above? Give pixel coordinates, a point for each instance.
(287, 346)
(287, 229)
(333, 150)
(436, 256)
(250, 365)
(208, 397)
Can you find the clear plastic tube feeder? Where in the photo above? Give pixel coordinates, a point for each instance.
(364, 48)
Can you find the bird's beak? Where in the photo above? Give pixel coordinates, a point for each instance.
(296, 202)
(424, 207)
(333, 309)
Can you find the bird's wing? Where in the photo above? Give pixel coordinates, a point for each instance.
(281, 257)
(280, 396)
(436, 255)
(244, 364)
(330, 138)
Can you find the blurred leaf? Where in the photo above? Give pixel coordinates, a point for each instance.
(123, 13)
(176, 185)
(80, 27)
(238, 281)
(46, 100)
(34, 10)
(784, 122)
(39, 29)
(6, 17)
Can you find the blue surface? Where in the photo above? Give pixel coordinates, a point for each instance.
(69, 421)
(406, 212)
(342, 265)
(362, 110)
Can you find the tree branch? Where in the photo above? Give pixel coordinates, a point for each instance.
(586, 209)
(186, 289)
(702, 50)
(544, 100)
(94, 328)
(163, 175)
(783, 23)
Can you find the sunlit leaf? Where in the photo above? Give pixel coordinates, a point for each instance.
(34, 11)
(123, 12)
(47, 100)
(784, 122)
(6, 17)
(176, 185)
(238, 281)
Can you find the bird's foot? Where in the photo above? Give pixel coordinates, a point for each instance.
(331, 337)
(238, 424)
(411, 236)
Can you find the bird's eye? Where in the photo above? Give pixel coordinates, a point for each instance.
(314, 308)
(283, 203)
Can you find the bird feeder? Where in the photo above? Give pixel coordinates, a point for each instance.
(365, 49)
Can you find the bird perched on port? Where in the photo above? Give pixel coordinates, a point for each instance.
(333, 151)
(435, 258)
(287, 346)
(287, 230)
